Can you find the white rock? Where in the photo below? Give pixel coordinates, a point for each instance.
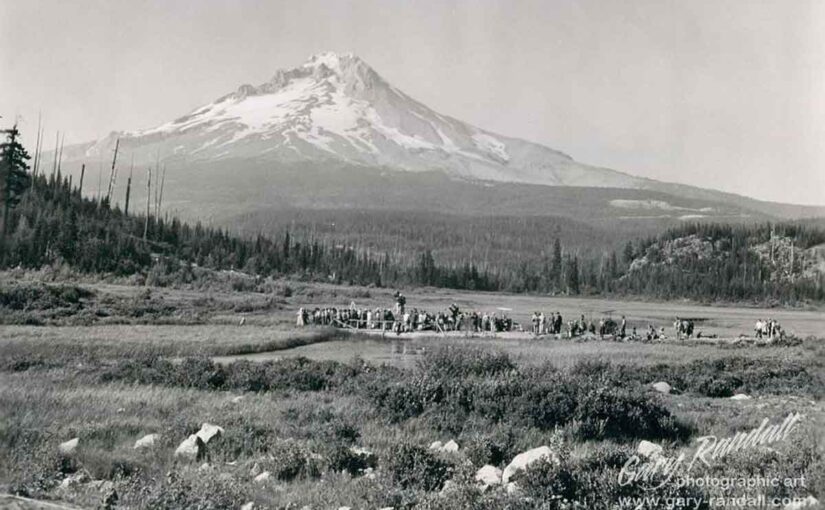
(190, 448)
(796, 505)
(75, 479)
(262, 477)
(649, 450)
(448, 487)
(103, 486)
(147, 441)
(69, 446)
(512, 488)
(662, 387)
(238, 399)
(204, 467)
(523, 460)
(436, 445)
(248, 506)
(208, 432)
(489, 475)
(740, 396)
(449, 447)
(344, 508)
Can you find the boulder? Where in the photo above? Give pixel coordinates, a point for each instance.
(69, 446)
(192, 448)
(436, 445)
(662, 387)
(740, 396)
(78, 478)
(238, 399)
(448, 487)
(209, 432)
(523, 460)
(512, 489)
(263, 477)
(489, 475)
(249, 505)
(649, 450)
(449, 447)
(205, 467)
(147, 441)
(102, 486)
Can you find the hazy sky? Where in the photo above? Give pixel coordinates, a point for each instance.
(728, 94)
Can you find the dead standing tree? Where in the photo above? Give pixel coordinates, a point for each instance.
(82, 175)
(129, 188)
(160, 194)
(112, 173)
(148, 203)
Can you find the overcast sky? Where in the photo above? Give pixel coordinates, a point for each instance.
(727, 94)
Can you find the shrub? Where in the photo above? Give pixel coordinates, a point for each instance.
(606, 411)
(205, 492)
(292, 460)
(247, 375)
(456, 362)
(201, 373)
(412, 466)
(547, 404)
(342, 458)
(492, 449)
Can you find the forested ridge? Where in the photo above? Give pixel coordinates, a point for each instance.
(52, 223)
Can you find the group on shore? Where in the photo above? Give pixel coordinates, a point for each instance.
(400, 319)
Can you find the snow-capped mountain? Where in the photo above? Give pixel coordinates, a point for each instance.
(336, 107)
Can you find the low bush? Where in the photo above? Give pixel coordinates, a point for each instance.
(412, 466)
(462, 362)
(292, 460)
(202, 373)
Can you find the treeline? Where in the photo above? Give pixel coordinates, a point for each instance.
(50, 222)
(765, 262)
(54, 224)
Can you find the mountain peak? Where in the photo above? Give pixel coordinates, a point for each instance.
(332, 60)
(334, 106)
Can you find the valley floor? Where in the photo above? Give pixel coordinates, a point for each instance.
(121, 362)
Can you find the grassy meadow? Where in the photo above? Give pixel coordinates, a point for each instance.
(338, 419)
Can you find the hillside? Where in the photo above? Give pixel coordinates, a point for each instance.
(54, 226)
(768, 262)
(332, 133)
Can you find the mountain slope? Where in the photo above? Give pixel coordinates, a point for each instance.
(338, 108)
(335, 112)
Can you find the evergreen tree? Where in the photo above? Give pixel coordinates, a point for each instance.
(628, 253)
(556, 268)
(14, 179)
(572, 274)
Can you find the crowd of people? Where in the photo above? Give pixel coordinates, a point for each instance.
(400, 319)
(406, 320)
(769, 329)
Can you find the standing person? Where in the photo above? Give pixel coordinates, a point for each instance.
(541, 323)
(758, 328)
(301, 318)
(623, 332)
(559, 323)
